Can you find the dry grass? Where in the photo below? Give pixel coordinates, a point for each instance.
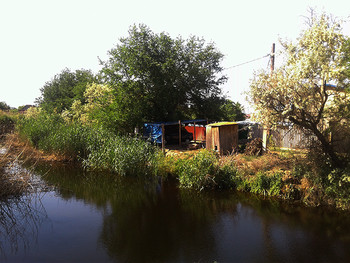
(15, 180)
(12, 182)
(22, 149)
(250, 165)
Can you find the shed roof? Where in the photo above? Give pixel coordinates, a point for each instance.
(223, 123)
(174, 122)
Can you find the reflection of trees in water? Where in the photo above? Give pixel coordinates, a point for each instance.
(20, 219)
(173, 227)
(299, 233)
(149, 220)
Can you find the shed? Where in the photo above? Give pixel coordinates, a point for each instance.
(222, 137)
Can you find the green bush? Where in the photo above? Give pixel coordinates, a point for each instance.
(7, 123)
(94, 147)
(198, 171)
(123, 155)
(202, 171)
(337, 187)
(38, 129)
(267, 185)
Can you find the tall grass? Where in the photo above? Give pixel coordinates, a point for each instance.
(123, 155)
(203, 171)
(94, 147)
(7, 123)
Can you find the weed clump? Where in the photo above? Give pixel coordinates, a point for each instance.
(203, 171)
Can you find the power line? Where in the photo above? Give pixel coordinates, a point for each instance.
(250, 61)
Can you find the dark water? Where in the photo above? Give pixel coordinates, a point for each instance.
(101, 218)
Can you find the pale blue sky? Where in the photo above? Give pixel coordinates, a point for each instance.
(39, 38)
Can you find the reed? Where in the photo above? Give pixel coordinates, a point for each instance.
(203, 171)
(94, 147)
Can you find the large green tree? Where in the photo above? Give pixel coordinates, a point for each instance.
(158, 78)
(59, 93)
(310, 89)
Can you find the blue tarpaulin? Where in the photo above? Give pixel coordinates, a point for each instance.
(153, 132)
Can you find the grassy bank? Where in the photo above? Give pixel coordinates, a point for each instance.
(93, 147)
(287, 175)
(13, 181)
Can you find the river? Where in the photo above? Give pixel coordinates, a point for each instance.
(97, 217)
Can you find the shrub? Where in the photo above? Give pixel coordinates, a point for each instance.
(123, 155)
(197, 172)
(267, 185)
(94, 147)
(337, 187)
(38, 129)
(7, 123)
(203, 171)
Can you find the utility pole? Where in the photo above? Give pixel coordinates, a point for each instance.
(272, 58)
(266, 130)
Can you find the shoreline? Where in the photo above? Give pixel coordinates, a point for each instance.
(295, 190)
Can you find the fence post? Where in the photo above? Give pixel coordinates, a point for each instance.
(163, 139)
(180, 132)
(265, 136)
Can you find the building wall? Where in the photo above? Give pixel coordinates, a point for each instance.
(228, 136)
(223, 139)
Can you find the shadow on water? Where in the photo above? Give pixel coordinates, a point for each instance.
(151, 220)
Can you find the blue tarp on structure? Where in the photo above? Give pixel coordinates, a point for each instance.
(153, 131)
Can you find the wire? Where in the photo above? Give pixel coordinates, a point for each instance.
(241, 64)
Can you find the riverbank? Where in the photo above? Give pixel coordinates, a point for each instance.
(282, 174)
(12, 181)
(15, 180)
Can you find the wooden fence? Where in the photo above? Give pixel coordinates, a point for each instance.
(289, 137)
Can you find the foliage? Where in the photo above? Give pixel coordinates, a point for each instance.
(157, 78)
(36, 128)
(4, 106)
(298, 92)
(202, 171)
(126, 156)
(65, 87)
(232, 111)
(97, 110)
(338, 187)
(96, 148)
(264, 184)
(7, 123)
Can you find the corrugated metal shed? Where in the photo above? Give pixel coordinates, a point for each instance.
(222, 137)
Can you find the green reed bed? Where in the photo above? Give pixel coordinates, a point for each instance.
(7, 123)
(95, 148)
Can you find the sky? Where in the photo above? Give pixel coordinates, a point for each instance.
(40, 38)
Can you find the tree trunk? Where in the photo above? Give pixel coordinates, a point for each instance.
(327, 148)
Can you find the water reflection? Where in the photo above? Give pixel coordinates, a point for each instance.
(20, 220)
(151, 220)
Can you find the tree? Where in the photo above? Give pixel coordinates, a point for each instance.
(59, 93)
(4, 106)
(232, 111)
(299, 91)
(157, 78)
